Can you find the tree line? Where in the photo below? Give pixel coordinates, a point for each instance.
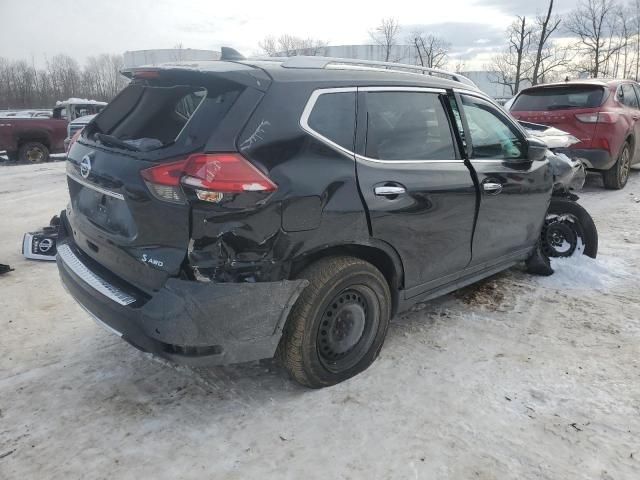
(22, 85)
(599, 38)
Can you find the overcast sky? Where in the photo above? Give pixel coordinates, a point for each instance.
(37, 29)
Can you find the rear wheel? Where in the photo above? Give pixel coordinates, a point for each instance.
(33, 152)
(616, 177)
(337, 327)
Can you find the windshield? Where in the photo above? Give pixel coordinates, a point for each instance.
(559, 98)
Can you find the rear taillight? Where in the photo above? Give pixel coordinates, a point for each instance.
(163, 181)
(210, 175)
(601, 117)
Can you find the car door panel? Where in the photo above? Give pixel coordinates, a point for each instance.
(421, 202)
(514, 191)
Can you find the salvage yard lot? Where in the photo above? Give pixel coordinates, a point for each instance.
(517, 377)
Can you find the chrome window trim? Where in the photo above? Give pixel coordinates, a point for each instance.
(402, 89)
(73, 263)
(375, 160)
(98, 189)
(306, 113)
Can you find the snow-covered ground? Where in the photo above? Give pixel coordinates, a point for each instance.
(518, 377)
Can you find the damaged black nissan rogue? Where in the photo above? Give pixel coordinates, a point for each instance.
(237, 210)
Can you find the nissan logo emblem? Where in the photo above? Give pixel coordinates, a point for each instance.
(85, 166)
(45, 245)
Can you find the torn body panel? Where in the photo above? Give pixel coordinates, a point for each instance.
(185, 321)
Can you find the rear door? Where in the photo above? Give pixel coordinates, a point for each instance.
(418, 191)
(514, 192)
(133, 222)
(626, 96)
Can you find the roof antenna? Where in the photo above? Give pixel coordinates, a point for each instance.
(231, 54)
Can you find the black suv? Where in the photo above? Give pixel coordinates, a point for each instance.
(235, 210)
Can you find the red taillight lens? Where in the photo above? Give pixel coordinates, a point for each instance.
(601, 117)
(164, 181)
(74, 139)
(225, 173)
(211, 175)
(146, 74)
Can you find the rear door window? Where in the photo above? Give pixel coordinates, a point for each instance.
(627, 95)
(407, 125)
(334, 117)
(559, 98)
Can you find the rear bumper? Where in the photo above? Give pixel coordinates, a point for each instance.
(594, 158)
(187, 322)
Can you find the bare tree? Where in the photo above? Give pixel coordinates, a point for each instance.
(510, 67)
(553, 58)
(546, 26)
(431, 51)
(386, 35)
(287, 45)
(592, 22)
(22, 85)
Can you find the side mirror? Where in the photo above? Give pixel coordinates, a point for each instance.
(536, 149)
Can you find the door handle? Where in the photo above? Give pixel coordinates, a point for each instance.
(492, 188)
(388, 190)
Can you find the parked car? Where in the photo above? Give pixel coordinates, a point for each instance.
(231, 211)
(31, 138)
(75, 126)
(603, 114)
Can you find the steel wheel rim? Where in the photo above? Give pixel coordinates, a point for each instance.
(562, 236)
(347, 329)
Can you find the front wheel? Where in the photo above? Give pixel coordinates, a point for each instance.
(568, 230)
(337, 327)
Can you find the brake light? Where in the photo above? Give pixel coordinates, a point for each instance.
(225, 173)
(146, 74)
(74, 139)
(210, 175)
(163, 181)
(601, 117)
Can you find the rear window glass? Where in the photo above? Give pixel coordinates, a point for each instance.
(149, 117)
(334, 117)
(559, 98)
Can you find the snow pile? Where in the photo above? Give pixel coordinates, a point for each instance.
(74, 100)
(584, 273)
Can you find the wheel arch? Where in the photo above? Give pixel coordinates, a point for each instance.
(39, 136)
(380, 254)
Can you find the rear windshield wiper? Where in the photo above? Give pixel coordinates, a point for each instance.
(561, 107)
(115, 142)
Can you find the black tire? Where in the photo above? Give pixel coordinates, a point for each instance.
(582, 221)
(617, 176)
(338, 324)
(33, 152)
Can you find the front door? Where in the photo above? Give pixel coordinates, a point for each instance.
(514, 192)
(418, 191)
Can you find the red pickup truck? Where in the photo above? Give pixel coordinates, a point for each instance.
(32, 139)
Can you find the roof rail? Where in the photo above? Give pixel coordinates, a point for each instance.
(327, 62)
